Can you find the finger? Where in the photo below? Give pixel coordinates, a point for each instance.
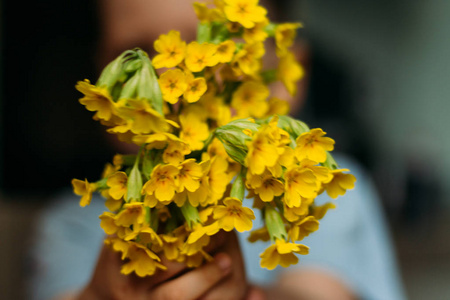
(174, 269)
(234, 286)
(255, 293)
(196, 282)
(216, 242)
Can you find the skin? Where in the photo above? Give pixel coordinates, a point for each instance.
(134, 23)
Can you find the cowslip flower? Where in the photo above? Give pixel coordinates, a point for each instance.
(132, 214)
(142, 261)
(269, 188)
(256, 33)
(117, 183)
(98, 99)
(193, 131)
(313, 145)
(340, 183)
(171, 50)
(249, 99)
(190, 174)
(199, 56)
(225, 51)
(232, 215)
(195, 88)
(245, 12)
(163, 182)
(289, 72)
(248, 59)
(261, 154)
(282, 253)
(172, 84)
(141, 117)
(303, 228)
(83, 189)
(299, 183)
(285, 35)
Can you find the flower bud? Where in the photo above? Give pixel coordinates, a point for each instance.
(234, 136)
(292, 126)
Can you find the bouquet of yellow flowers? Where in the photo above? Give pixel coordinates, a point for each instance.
(210, 136)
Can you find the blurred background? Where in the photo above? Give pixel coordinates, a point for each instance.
(378, 83)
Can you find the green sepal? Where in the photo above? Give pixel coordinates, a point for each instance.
(269, 76)
(238, 186)
(134, 183)
(114, 71)
(274, 223)
(101, 184)
(147, 164)
(234, 139)
(190, 214)
(129, 89)
(154, 219)
(330, 163)
(270, 29)
(148, 86)
(292, 126)
(204, 32)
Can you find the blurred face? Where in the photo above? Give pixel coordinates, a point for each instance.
(138, 23)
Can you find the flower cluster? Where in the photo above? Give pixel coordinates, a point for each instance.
(209, 135)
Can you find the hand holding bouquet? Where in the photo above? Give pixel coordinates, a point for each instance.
(211, 139)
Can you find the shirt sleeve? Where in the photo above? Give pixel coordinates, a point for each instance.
(67, 240)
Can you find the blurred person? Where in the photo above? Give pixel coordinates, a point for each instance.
(351, 255)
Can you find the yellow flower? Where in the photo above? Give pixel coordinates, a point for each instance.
(293, 214)
(171, 50)
(340, 183)
(278, 107)
(303, 228)
(256, 33)
(190, 174)
(117, 183)
(205, 14)
(282, 253)
(289, 72)
(198, 238)
(141, 117)
(299, 183)
(132, 214)
(108, 223)
(261, 154)
(245, 12)
(146, 236)
(193, 131)
(83, 189)
(173, 84)
(195, 88)
(269, 188)
(163, 182)
(320, 211)
(199, 56)
(313, 145)
(260, 234)
(171, 246)
(175, 152)
(142, 261)
(97, 99)
(250, 99)
(201, 194)
(218, 178)
(233, 215)
(285, 35)
(248, 60)
(225, 51)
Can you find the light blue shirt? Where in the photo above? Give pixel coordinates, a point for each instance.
(353, 243)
